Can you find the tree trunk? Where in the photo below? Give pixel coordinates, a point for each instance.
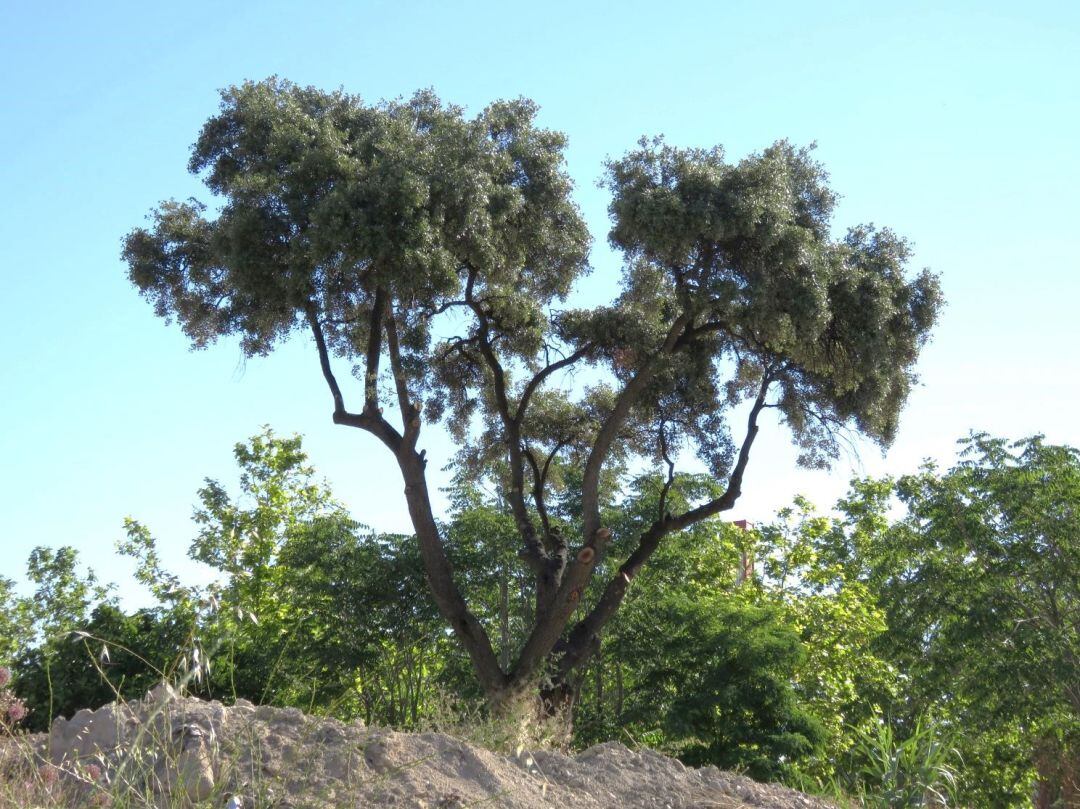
(1058, 779)
(557, 701)
(504, 622)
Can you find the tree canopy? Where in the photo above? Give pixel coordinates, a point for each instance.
(437, 254)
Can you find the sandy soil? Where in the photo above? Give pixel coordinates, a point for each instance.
(176, 751)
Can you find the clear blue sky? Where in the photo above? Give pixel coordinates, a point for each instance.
(955, 123)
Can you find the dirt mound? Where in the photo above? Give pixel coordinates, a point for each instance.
(168, 750)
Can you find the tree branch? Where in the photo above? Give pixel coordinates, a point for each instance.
(437, 565)
(543, 374)
(661, 507)
(374, 352)
(410, 413)
(551, 622)
(538, 495)
(324, 359)
(534, 552)
(370, 420)
(578, 643)
(590, 484)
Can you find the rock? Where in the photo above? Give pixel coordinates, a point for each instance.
(91, 735)
(187, 767)
(161, 694)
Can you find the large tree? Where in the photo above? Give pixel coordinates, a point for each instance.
(435, 253)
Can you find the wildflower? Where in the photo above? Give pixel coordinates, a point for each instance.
(93, 772)
(5, 676)
(48, 774)
(16, 711)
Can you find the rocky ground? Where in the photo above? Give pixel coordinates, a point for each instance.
(172, 751)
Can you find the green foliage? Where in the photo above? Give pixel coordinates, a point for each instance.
(112, 655)
(964, 610)
(41, 623)
(722, 682)
(697, 662)
(62, 596)
(891, 773)
(844, 679)
(979, 584)
(16, 623)
(370, 642)
(242, 538)
(308, 609)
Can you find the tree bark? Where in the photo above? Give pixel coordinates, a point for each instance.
(504, 622)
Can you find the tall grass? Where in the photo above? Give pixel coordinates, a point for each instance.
(885, 769)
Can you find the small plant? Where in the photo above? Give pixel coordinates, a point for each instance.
(12, 709)
(918, 770)
(516, 727)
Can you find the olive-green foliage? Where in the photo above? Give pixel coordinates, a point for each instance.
(332, 207)
(435, 253)
(328, 197)
(749, 242)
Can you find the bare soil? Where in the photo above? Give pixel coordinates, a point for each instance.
(174, 751)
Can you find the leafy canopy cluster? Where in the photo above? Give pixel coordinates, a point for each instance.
(329, 203)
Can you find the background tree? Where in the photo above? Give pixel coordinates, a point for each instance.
(60, 603)
(376, 227)
(307, 609)
(844, 679)
(111, 655)
(310, 609)
(698, 663)
(980, 585)
(854, 653)
(16, 623)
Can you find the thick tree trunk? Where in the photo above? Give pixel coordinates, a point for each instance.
(440, 578)
(561, 579)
